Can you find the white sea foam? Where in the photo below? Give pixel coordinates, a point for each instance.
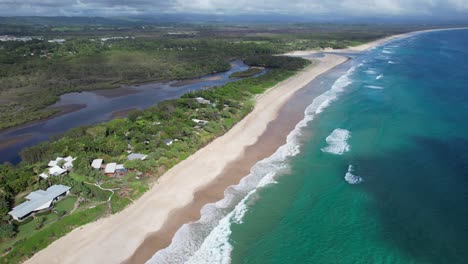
(376, 87)
(370, 71)
(207, 240)
(387, 51)
(379, 77)
(337, 142)
(391, 62)
(351, 178)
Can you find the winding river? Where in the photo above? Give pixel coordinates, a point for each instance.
(94, 107)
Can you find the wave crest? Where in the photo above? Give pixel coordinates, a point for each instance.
(337, 142)
(207, 240)
(351, 178)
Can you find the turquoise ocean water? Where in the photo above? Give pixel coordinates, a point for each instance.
(377, 172)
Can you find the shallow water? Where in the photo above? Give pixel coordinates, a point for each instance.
(405, 200)
(99, 108)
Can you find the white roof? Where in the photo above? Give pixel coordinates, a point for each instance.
(135, 156)
(97, 163)
(68, 164)
(44, 175)
(198, 121)
(56, 170)
(119, 167)
(37, 199)
(53, 163)
(202, 100)
(110, 168)
(69, 159)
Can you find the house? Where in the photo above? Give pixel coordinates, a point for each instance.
(58, 166)
(56, 171)
(39, 200)
(202, 100)
(200, 122)
(119, 168)
(114, 169)
(110, 168)
(65, 163)
(68, 165)
(168, 141)
(96, 164)
(135, 156)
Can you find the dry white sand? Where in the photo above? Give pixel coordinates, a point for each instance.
(366, 46)
(113, 239)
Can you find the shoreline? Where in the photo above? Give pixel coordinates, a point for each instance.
(369, 45)
(122, 90)
(63, 110)
(288, 115)
(180, 191)
(115, 238)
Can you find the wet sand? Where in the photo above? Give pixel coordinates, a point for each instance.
(115, 238)
(274, 136)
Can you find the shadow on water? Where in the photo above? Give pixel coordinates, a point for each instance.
(422, 202)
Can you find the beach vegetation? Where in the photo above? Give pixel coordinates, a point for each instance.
(145, 130)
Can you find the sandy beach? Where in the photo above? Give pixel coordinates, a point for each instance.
(359, 48)
(365, 46)
(115, 238)
(150, 222)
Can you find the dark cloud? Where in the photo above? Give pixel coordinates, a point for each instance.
(290, 7)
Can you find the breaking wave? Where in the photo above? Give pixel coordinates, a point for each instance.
(379, 77)
(387, 51)
(351, 178)
(376, 87)
(207, 240)
(337, 142)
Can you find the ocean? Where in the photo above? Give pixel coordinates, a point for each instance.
(376, 172)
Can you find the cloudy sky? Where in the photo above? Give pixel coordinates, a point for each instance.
(235, 7)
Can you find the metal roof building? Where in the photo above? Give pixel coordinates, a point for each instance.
(39, 200)
(97, 163)
(135, 156)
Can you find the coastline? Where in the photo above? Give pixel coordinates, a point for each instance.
(369, 45)
(274, 136)
(180, 190)
(115, 238)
